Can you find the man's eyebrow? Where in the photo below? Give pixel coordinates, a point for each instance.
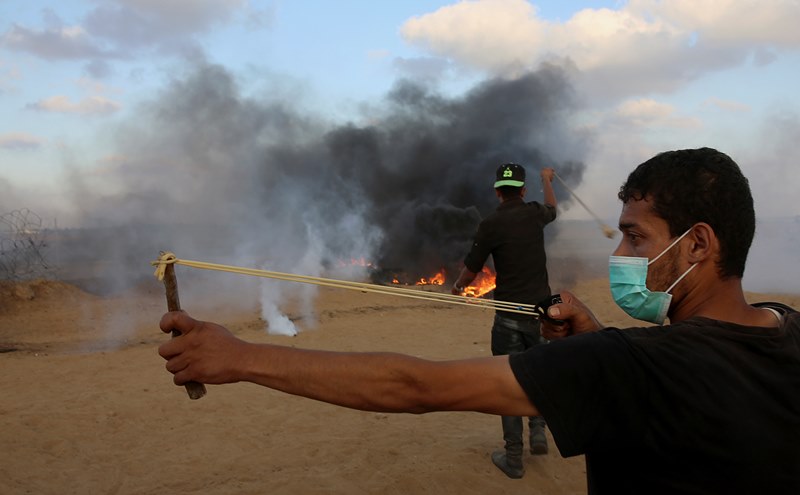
(626, 225)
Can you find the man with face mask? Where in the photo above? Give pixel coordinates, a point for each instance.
(707, 404)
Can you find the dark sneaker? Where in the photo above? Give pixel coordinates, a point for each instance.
(512, 467)
(538, 441)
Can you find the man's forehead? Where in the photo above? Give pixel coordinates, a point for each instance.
(640, 214)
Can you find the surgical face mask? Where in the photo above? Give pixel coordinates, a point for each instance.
(627, 276)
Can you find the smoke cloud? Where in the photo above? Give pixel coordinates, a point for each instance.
(214, 174)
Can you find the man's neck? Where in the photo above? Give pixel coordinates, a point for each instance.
(722, 300)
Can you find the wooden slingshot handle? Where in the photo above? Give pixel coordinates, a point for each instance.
(194, 389)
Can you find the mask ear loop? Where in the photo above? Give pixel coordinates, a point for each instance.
(680, 278)
(670, 247)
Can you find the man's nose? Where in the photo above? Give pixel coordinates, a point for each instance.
(622, 249)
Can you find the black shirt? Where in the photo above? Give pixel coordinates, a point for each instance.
(513, 234)
(701, 406)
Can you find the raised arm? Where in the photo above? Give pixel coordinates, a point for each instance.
(387, 382)
(547, 186)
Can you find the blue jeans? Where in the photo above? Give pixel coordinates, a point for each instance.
(509, 337)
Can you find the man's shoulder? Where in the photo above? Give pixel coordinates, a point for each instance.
(700, 330)
(781, 308)
(790, 317)
(544, 210)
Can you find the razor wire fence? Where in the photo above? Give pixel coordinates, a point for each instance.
(22, 246)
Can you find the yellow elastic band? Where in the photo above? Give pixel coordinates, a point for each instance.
(168, 258)
(165, 259)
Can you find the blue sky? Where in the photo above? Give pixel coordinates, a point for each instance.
(650, 76)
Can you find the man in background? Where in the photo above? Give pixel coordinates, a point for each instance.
(513, 235)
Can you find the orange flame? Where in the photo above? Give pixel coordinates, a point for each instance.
(484, 282)
(437, 279)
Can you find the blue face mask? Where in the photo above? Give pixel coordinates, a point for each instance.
(627, 276)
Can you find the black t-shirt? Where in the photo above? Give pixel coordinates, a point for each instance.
(701, 406)
(513, 235)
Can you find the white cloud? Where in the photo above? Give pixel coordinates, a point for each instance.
(496, 35)
(184, 15)
(19, 141)
(55, 43)
(733, 22)
(93, 105)
(148, 23)
(645, 46)
(599, 38)
(121, 29)
(644, 110)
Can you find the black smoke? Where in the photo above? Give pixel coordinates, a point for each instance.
(218, 173)
(427, 167)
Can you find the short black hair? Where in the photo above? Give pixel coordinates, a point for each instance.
(699, 185)
(508, 192)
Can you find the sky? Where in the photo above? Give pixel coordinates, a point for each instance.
(650, 75)
(135, 111)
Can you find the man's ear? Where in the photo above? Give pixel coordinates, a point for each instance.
(522, 193)
(705, 244)
(497, 193)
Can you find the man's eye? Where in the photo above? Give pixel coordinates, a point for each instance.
(632, 236)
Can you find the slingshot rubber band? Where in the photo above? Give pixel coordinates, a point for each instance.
(168, 258)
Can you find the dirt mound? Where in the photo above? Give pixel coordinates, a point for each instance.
(14, 294)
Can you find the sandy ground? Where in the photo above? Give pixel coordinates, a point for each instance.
(87, 406)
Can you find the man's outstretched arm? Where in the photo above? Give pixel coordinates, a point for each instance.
(387, 382)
